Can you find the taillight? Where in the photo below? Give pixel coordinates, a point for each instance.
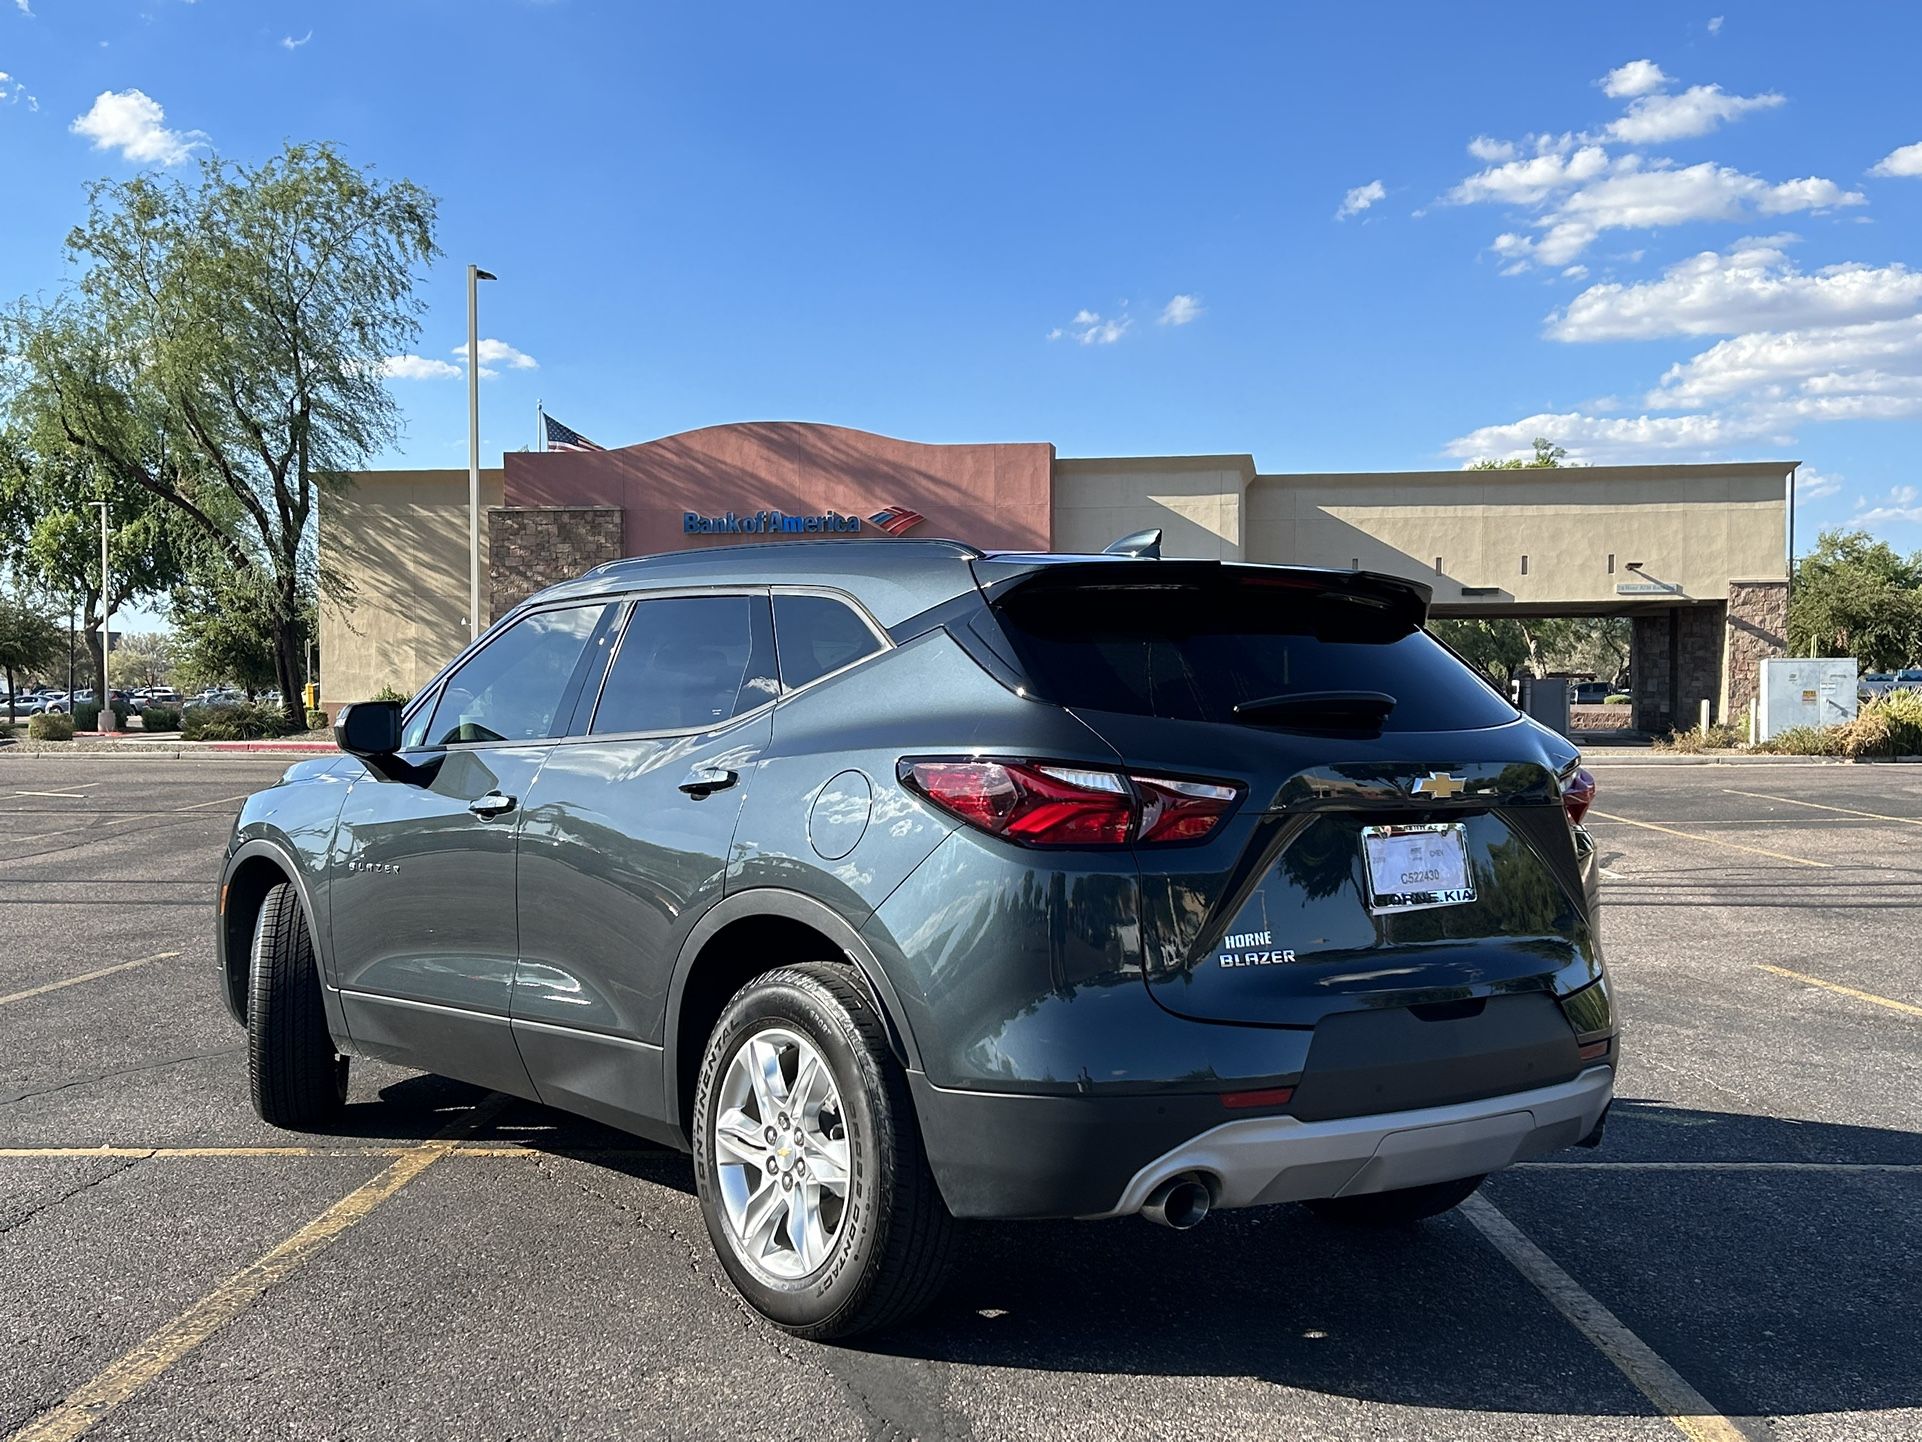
(1578, 795)
(1044, 805)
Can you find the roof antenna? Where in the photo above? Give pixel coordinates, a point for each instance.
(1142, 545)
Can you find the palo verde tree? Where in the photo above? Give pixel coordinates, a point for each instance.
(223, 350)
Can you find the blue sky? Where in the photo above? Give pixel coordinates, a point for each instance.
(1340, 237)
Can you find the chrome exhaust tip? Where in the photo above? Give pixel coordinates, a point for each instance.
(1178, 1203)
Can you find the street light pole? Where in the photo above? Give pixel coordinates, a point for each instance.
(106, 723)
(474, 276)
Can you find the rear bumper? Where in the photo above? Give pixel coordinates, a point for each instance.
(998, 1155)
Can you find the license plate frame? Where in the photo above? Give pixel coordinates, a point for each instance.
(1432, 854)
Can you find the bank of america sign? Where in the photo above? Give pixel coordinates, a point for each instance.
(893, 520)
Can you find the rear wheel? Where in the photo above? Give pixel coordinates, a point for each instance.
(298, 1080)
(1387, 1209)
(808, 1159)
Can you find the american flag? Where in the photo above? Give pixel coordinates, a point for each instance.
(563, 438)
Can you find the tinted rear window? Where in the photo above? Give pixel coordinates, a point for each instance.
(1195, 653)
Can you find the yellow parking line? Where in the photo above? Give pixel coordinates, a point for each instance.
(1688, 1410)
(1837, 986)
(1820, 806)
(42, 990)
(133, 1370)
(1714, 840)
(146, 1153)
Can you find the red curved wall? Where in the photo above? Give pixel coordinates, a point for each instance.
(998, 497)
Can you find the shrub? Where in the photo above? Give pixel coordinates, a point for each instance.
(86, 715)
(160, 718)
(50, 726)
(388, 693)
(239, 721)
(1617, 698)
(1692, 742)
(317, 720)
(1887, 726)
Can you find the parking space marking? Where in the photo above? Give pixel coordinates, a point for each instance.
(1822, 806)
(1837, 986)
(1720, 1166)
(1680, 1403)
(132, 1370)
(58, 795)
(162, 1153)
(1714, 841)
(46, 987)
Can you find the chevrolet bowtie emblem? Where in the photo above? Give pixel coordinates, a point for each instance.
(1440, 785)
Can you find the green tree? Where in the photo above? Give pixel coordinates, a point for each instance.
(1548, 457)
(1855, 596)
(29, 642)
(143, 658)
(50, 534)
(224, 630)
(223, 352)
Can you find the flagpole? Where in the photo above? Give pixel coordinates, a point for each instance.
(540, 426)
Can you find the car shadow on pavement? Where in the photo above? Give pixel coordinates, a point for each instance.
(1786, 1292)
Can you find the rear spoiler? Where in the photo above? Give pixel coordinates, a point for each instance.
(1001, 576)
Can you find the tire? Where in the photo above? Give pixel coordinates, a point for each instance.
(298, 1079)
(881, 1248)
(1396, 1208)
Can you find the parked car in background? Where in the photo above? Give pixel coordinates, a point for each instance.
(46, 702)
(1909, 679)
(901, 882)
(1589, 693)
(1874, 684)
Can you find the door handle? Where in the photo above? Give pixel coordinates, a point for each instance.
(491, 805)
(707, 782)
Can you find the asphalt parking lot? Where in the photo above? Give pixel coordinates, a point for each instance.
(1738, 1260)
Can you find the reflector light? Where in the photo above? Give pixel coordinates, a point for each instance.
(1048, 805)
(1593, 1051)
(1578, 795)
(1272, 1097)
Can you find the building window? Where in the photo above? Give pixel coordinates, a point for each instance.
(1354, 563)
(1438, 569)
(1524, 565)
(1611, 563)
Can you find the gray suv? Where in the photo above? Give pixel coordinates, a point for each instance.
(901, 883)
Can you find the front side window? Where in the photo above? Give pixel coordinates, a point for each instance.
(687, 663)
(818, 634)
(523, 684)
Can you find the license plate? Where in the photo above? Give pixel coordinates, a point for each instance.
(1414, 867)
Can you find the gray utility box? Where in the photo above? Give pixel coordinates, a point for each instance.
(1806, 692)
(1547, 701)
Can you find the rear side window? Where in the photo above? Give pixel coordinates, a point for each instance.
(1196, 652)
(818, 634)
(687, 663)
(522, 685)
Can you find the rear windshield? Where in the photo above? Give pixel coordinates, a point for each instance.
(1195, 652)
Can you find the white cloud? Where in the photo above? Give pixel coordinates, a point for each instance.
(1899, 505)
(1484, 148)
(495, 353)
(1180, 310)
(1575, 272)
(1814, 485)
(1805, 371)
(1656, 119)
(417, 368)
(1360, 198)
(1089, 328)
(1904, 160)
(1638, 77)
(1753, 286)
(1535, 179)
(287, 42)
(1715, 25)
(24, 7)
(131, 122)
(1605, 440)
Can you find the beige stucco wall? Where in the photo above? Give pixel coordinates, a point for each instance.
(399, 540)
(1196, 500)
(1698, 525)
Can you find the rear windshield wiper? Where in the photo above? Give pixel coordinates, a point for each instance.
(1322, 710)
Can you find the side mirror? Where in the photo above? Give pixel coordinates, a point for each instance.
(368, 728)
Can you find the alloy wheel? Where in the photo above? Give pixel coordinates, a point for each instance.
(781, 1154)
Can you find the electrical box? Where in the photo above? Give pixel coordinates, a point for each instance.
(1546, 699)
(1806, 692)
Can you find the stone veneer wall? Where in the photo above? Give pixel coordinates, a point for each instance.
(533, 547)
(1758, 628)
(1699, 631)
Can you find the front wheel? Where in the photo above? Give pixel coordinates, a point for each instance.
(808, 1159)
(1396, 1208)
(298, 1080)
